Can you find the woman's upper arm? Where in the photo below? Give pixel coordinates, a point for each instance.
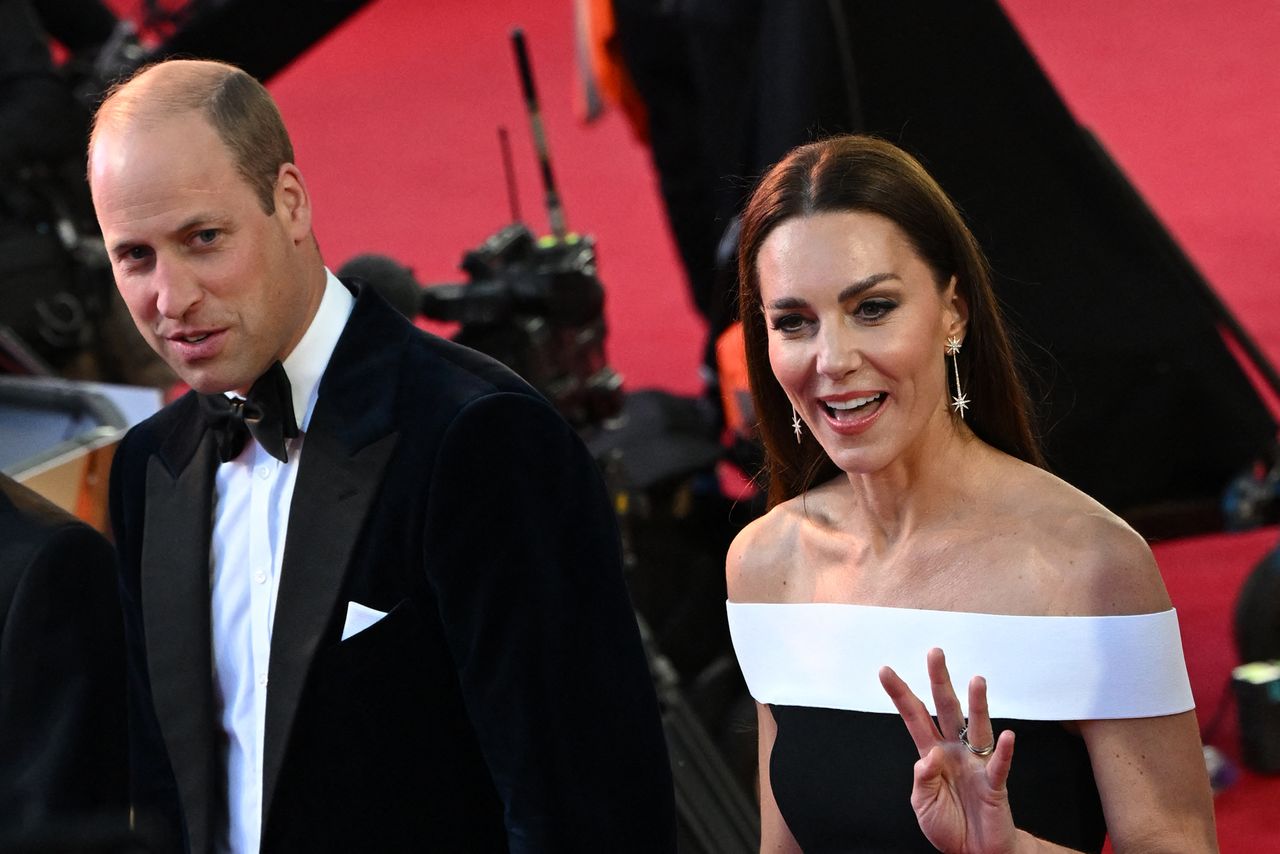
(1150, 771)
(755, 571)
(775, 836)
(1152, 780)
(745, 584)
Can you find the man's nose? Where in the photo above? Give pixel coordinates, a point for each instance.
(176, 289)
(838, 352)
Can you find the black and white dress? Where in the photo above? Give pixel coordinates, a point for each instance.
(841, 767)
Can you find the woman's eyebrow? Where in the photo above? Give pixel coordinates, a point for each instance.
(784, 303)
(863, 284)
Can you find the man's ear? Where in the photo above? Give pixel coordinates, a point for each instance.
(293, 202)
(957, 310)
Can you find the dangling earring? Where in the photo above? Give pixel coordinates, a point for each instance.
(796, 424)
(959, 403)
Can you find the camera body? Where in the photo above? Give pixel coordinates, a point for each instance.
(537, 305)
(55, 276)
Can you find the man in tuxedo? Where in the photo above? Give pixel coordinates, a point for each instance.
(62, 698)
(371, 581)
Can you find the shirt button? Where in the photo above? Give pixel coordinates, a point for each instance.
(262, 679)
(260, 577)
(264, 472)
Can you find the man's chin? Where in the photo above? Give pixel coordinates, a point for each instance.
(206, 382)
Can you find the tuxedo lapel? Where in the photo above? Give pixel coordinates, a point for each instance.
(345, 451)
(175, 579)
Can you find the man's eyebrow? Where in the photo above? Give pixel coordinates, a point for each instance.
(205, 219)
(845, 295)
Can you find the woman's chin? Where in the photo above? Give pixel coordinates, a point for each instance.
(859, 461)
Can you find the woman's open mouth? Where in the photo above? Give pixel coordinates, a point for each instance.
(854, 409)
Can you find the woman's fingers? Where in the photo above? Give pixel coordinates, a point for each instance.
(980, 734)
(1001, 760)
(950, 715)
(914, 713)
(920, 724)
(928, 774)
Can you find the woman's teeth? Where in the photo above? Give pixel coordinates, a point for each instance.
(841, 409)
(195, 339)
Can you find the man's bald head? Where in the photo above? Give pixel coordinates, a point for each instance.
(237, 106)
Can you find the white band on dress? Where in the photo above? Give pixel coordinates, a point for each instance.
(1037, 668)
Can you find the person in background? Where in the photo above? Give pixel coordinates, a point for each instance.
(63, 754)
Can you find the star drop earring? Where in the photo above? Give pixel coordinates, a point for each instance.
(795, 424)
(959, 402)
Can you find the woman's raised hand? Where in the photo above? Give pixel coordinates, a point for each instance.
(959, 794)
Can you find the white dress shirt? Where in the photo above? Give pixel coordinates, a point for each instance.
(251, 521)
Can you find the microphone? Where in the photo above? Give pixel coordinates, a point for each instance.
(390, 279)
(490, 298)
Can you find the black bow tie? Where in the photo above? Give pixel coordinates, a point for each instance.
(267, 415)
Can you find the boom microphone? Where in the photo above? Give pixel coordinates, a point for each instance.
(392, 280)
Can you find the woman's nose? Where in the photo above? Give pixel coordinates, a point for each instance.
(838, 352)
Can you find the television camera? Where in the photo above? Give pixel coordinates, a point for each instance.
(534, 304)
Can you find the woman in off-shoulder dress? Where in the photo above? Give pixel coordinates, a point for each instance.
(910, 516)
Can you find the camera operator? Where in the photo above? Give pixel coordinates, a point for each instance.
(56, 299)
(40, 120)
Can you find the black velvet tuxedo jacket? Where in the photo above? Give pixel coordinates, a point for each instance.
(503, 704)
(62, 699)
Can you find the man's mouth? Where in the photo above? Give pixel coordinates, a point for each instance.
(196, 345)
(854, 408)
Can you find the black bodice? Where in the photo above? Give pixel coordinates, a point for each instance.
(843, 779)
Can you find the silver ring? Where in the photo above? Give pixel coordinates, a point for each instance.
(976, 751)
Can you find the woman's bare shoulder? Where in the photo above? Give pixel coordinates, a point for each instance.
(1106, 565)
(1118, 572)
(761, 556)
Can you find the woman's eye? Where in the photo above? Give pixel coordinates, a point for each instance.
(874, 309)
(788, 323)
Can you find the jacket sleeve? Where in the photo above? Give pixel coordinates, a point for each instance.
(524, 556)
(62, 696)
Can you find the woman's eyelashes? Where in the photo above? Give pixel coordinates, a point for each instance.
(874, 309)
(788, 324)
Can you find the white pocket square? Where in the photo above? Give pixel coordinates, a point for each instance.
(359, 618)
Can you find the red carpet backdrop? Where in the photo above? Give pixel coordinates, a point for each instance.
(395, 119)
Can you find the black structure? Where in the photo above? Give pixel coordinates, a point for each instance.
(261, 38)
(1121, 332)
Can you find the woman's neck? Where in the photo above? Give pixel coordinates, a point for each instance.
(923, 487)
